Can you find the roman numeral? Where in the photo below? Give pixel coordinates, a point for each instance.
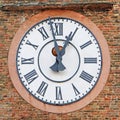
(90, 60)
(85, 76)
(71, 37)
(58, 93)
(58, 29)
(34, 46)
(85, 44)
(27, 61)
(43, 33)
(42, 89)
(31, 76)
(75, 90)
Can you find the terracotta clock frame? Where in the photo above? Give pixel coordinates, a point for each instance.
(105, 63)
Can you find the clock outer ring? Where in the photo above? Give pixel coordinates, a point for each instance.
(13, 69)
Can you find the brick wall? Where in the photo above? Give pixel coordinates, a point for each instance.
(106, 16)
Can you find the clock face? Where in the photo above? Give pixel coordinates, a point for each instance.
(59, 61)
(82, 61)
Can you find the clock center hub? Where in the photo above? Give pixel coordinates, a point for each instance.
(46, 59)
(54, 50)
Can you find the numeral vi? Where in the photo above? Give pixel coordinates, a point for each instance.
(58, 93)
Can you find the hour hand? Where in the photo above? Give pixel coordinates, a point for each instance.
(58, 66)
(68, 38)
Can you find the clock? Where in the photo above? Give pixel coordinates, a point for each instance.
(59, 61)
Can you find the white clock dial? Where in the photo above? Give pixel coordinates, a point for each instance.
(82, 61)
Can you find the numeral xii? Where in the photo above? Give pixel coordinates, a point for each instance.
(58, 30)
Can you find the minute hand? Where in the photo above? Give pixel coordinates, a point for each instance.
(58, 66)
(68, 38)
(55, 43)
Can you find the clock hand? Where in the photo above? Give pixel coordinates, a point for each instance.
(68, 38)
(62, 52)
(58, 66)
(55, 43)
